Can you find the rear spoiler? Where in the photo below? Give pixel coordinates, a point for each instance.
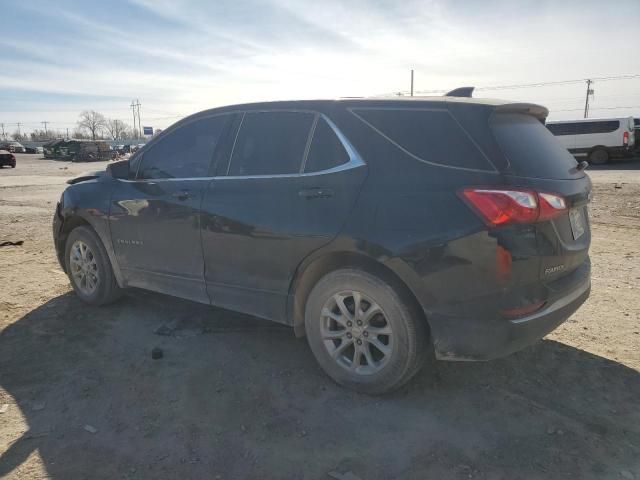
(538, 111)
(532, 109)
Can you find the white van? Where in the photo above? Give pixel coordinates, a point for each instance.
(597, 139)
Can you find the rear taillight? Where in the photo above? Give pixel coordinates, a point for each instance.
(625, 138)
(501, 207)
(550, 206)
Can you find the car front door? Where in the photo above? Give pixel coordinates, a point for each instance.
(155, 216)
(288, 189)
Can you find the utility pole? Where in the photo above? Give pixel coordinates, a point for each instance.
(412, 82)
(586, 101)
(138, 104)
(45, 129)
(20, 134)
(133, 109)
(67, 133)
(2, 124)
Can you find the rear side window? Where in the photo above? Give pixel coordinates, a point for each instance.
(432, 136)
(531, 149)
(326, 149)
(271, 143)
(186, 152)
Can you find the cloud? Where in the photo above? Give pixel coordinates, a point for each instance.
(180, 56)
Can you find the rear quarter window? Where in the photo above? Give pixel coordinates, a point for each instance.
(531, 149)
(431, 136)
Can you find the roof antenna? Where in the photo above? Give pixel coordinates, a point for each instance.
(460, 92)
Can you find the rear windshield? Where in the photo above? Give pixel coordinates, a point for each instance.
(531, 149)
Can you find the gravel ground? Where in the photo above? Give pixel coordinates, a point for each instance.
(236, 397)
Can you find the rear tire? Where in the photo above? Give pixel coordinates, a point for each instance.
(599, 157)
(89, 268)
(363, 334)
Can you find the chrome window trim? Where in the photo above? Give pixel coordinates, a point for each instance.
(355, 160)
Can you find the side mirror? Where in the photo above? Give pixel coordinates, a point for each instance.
(119, 169)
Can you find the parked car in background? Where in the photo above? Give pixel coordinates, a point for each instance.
(52, 148)
(85, 150)
(7, 159)
(597, 140)
(383, 230)
(636, 128)
(36, 150)
(13, 147)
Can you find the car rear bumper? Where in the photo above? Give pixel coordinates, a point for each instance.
(457, 338)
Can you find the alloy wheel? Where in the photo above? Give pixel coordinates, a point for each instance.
(356, 333)
(84, 267)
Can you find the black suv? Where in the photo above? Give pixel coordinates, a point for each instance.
(383, 230)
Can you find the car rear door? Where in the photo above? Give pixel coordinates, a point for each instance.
(287, 190)
(155, 217)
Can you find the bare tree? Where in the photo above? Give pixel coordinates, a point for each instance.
(92, 121)
(39, 135)
(116, 128)
(79, 134)
(19, 137)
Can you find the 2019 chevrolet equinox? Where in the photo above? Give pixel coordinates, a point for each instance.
(383, 230)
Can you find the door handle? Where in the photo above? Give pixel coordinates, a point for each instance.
(181, 195)
(316, 193)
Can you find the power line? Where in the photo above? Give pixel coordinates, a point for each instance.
(598, 108)
(545, 84)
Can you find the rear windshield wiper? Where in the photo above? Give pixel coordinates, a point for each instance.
(582, 166)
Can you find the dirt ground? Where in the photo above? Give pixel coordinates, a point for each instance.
(235, 397)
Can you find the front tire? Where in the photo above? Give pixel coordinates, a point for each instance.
(89, 268)
(364, 335)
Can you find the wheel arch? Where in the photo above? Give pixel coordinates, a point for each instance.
(308, 276)
(599, 147)
(74, 219)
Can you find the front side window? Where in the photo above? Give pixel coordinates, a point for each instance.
(271, 143)
(326, 149)
(186, 152)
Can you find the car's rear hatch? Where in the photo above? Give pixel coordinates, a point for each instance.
(529, 158)
(536, 160)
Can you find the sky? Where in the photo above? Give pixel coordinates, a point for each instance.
(182, 56)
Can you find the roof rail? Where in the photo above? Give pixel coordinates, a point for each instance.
(460, 92)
